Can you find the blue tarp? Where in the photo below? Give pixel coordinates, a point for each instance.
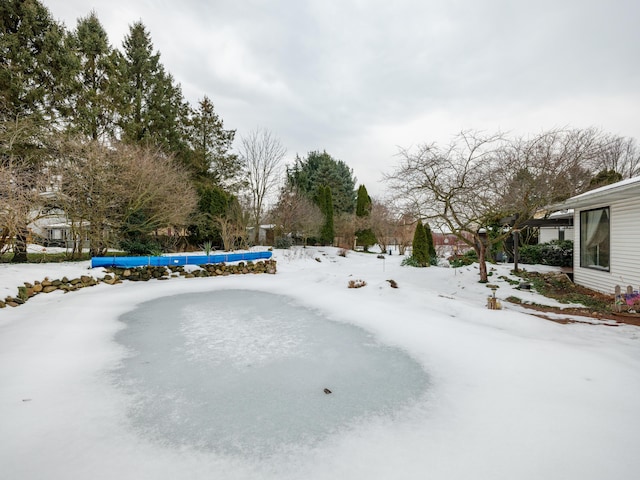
(164, 261)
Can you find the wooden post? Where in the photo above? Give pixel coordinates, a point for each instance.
(516, 240)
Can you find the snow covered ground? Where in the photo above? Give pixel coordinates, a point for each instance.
(511, 396)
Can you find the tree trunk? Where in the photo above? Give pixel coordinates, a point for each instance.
(481, 250)
(20, 247)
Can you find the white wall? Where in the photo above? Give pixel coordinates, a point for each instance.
(546, 234)
(625, 248)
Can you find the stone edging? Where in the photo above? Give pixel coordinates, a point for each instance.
(117, 275)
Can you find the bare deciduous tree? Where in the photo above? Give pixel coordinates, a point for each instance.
(621, 155)
(103, 188)
(20, 203)
(345, 227)
(382, 223)
(549, 167)
(404, 228)
(262, 154)
(471, 187)
(296, 215)
(453, 187)
(233, 227)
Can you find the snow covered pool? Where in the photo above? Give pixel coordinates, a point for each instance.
(244, 372)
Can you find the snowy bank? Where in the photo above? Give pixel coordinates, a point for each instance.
(511, 395)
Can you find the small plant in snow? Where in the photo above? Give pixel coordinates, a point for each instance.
(342, 252)
(207, 247)
(357, 283)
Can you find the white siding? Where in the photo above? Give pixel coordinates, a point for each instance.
(625, 248)
(553, 233)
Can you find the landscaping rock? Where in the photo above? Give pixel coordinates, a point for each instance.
(145, 273)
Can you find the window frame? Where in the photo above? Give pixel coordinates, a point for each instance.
(583, 234)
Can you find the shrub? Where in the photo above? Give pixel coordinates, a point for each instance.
(282, 242)
(413, 262)
(420, 246)
(140, 247)
(410, 261)
(463, 260)
(555, 253)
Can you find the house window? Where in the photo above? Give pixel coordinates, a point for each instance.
(595, 239)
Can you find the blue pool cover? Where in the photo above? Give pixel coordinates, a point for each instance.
(165, 261)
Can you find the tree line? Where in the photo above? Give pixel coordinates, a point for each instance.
(105, 135)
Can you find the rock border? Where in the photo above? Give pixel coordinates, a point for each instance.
(117, 275)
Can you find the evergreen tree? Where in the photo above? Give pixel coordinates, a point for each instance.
(420, 246)
(321, 169)
(365, 236)
(210, 159)
(92, 94)
(604, 177)
(431, 247)
(34, 61)
(363, 202)
(152, 109)
(325, 202)
(213, 203)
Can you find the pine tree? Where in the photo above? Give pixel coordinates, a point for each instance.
(92, 92)
(34, 61)
(152, 108)
(420, 246)
(325, 202)
(365, 236)
(210, 159)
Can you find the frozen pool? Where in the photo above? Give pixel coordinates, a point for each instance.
(244, 372)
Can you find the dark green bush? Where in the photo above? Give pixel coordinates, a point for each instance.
(463, 260)
(420, 246)
(282, 242)
(555, 253)
(410, 262)
(140, 247)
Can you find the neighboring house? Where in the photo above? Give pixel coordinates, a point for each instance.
(448, 244)
(556, 229)
(54, 230)
(265, 234)
(607, 236)
(50, 225)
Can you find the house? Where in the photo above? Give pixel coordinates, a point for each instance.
(607, 236)
(266, 234)
(447, 244)
(559, 227)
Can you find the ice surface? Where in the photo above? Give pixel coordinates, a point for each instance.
(509, 395)
(244, 372)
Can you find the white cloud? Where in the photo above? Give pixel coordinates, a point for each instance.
(359, 78)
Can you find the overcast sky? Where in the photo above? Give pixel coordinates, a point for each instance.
(361, 78)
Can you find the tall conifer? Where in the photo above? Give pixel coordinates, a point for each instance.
(325, 201)
(420, 246)
(365, 236)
